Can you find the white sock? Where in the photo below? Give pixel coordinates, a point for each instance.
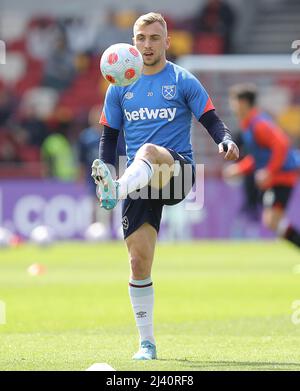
(142, 299)
(136, 176)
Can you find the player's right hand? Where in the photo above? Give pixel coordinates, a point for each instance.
(231, 149)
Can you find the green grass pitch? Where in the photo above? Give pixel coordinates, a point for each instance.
(218, 306)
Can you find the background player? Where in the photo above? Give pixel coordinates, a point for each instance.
(270, 155)
(155, 113)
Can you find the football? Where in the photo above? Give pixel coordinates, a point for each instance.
(121, 64)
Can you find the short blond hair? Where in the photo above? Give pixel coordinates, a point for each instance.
(150, 18)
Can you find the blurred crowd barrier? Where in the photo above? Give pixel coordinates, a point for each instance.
(67, 209)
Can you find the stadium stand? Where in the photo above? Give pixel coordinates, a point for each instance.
(31, 99)
(276, 25)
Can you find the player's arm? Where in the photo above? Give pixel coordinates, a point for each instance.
(220, 134)
(244, 167)
(108, 145)
(202, 107)
(112, 121)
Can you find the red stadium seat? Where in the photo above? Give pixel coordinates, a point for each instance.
(41, 21)
(17, 45)
(21, 170)
(209, 43)
(29, 153)
(84, 92)
(32, 78)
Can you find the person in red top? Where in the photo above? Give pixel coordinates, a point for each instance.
(275, 163)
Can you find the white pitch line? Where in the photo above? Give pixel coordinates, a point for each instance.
(100, 367)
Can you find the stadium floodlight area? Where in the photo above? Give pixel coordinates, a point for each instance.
(277, 79)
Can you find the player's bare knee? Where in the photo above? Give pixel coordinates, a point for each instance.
(148, 151)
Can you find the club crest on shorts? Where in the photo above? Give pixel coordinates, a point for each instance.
(168, 92)
(125, 223)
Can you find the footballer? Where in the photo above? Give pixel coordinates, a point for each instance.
(275, 163)
(155, 113)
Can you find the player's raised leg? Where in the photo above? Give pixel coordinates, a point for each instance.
(146, 164)
(275, 219)
(141, 245)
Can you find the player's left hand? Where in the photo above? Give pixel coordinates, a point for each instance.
(231, 149)
(262, 178)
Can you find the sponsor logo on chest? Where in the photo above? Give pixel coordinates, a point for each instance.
(144, 113)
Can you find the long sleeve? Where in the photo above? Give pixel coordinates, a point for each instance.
(215, 127)
(108, 145)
